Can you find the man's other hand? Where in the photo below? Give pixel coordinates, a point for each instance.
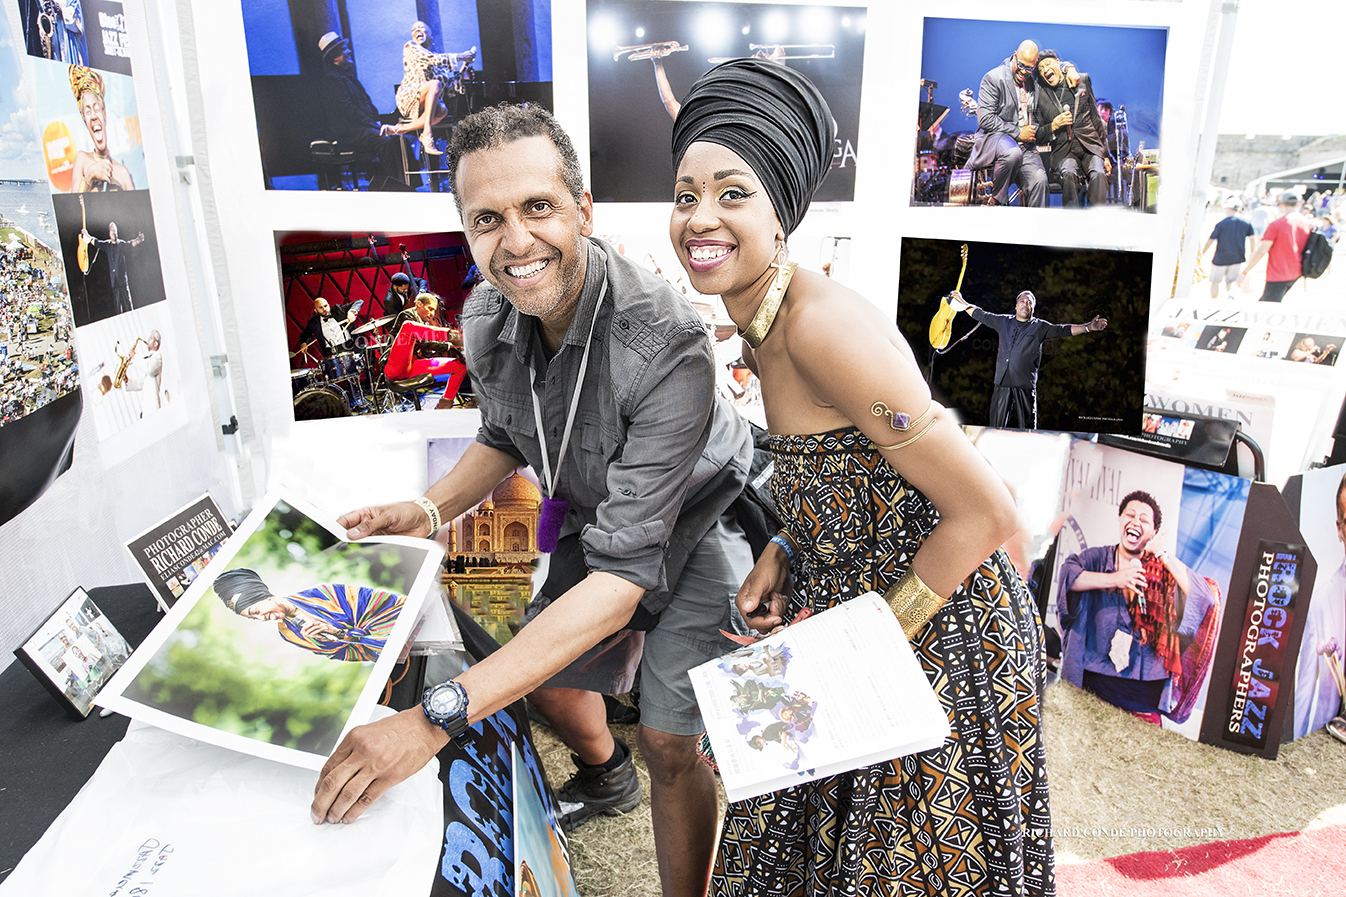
(405, 518)
(370, 760)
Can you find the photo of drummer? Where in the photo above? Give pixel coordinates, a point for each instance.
(343, 293)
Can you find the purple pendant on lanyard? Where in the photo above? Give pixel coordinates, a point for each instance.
(549, 523)
(553, 508)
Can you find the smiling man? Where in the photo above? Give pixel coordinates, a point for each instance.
(1071, 126)
(602, 378)
(1006, 140)
(1128, 614)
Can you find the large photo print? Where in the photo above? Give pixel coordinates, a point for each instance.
(284, 642)
(360, 95)
(643, 57)
(1039, 114)
(1037, 338)
(1142, 578)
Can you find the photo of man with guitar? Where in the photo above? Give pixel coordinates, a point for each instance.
(110, 252)
(990, 371)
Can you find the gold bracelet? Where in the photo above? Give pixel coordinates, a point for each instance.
(907, 442)
(431, 511)
(912, 602)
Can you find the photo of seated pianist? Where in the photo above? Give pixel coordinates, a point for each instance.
(360, 95)
(423, 349)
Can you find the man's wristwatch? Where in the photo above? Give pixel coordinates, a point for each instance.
(445, 705)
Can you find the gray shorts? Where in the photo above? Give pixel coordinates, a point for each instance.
(687, 635)
(1225, 273)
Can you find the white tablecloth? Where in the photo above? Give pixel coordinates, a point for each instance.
(166, 816)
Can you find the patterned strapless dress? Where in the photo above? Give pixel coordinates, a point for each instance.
(968, 819)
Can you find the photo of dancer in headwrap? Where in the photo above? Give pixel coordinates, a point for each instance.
(95, 170)
(335, 621)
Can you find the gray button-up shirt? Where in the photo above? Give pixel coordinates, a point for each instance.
(655, 456)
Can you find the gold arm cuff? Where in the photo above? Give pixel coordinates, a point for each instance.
(912, 602)
(878, 409)
(906, 442)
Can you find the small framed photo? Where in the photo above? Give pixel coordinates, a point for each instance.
(74, 653)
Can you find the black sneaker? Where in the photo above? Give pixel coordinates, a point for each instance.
(591, 792)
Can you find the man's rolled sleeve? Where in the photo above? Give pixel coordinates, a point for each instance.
(648, 482)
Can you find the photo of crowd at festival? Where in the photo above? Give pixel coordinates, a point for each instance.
(37, 356)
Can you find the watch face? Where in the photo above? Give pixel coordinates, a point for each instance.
(444, 701)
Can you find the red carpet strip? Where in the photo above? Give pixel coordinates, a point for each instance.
(1304, 864)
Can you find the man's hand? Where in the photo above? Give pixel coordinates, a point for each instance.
(406, 518)
(761, 598)
(957, 302)
(370, 760)
(1107, 166)
(1072, 76)
(1098, 323)
(1027, 134)
(1062, 120)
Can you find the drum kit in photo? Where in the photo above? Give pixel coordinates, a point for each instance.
(350, 377)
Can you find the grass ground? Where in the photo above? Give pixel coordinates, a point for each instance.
(1118, 786)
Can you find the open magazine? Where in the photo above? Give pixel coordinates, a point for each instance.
(285, 640)
(835, 692)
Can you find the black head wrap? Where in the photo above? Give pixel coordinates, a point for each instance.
(771, 116)
(240, 589)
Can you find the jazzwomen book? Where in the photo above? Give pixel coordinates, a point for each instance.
(832, 693)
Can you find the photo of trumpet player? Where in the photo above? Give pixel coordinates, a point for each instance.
(371, 321)
(1029, 337)
(361, 94)
(1039, 114)
(644, 55)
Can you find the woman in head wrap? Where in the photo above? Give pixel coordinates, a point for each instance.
(336, 621)
(97, 170)
(880, 489)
